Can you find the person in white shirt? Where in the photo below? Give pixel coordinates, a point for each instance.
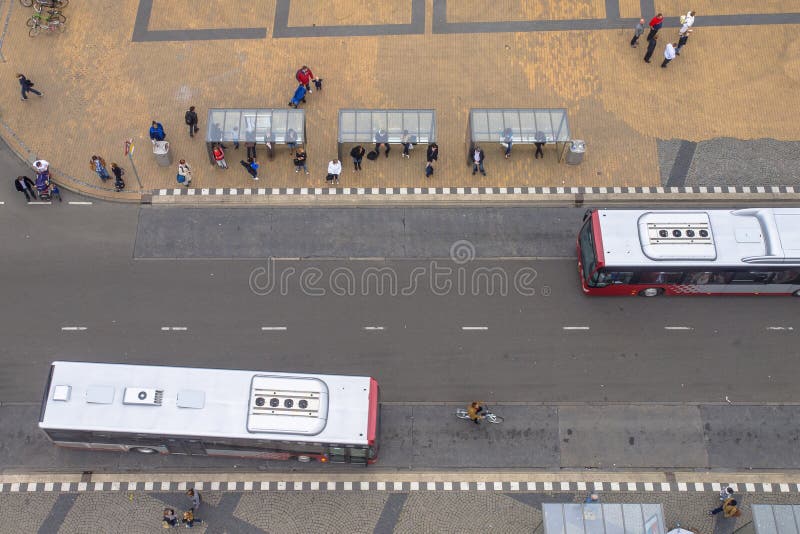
(669, 55)
(689, 20)
(41, 166)
(334, 170)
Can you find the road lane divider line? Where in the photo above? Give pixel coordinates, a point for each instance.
(73, 328)
(474, 328)
(373, 328)
(678, 328)
(273, 328)
(780, 328)
(575, 328)
(79, 203)
(39, 203)
(174, 328)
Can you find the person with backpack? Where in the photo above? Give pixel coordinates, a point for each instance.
(251, 167)
(191, 121)
(219, 157)
(357, 153)
(184, 173)
(117, 171)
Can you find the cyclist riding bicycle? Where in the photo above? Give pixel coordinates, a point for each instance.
(474, 411)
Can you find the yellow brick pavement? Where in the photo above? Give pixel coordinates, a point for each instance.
(101, 88)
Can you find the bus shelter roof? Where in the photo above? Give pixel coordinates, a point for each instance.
(360, 125)
(254, 125)
(602, 518)
(776, 518)
(546, 125)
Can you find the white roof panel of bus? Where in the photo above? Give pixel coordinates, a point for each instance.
(209, 402)
(754, 237)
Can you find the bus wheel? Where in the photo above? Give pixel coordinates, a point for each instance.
(303, 458)
(145, 450)
(796, 293)
(651, 292)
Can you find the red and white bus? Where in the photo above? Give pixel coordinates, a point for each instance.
(754, 251)
(214, 412)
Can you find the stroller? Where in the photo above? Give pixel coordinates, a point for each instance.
(47, 190)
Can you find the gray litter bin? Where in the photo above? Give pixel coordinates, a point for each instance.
(577, 149)
(162, 153)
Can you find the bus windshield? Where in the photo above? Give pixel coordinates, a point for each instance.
(588, 256)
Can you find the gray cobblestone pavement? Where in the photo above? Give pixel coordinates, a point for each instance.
(731, 162)
(346, 511)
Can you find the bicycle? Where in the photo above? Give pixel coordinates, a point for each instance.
(38, 5)
(51, 25)
(462, 413)
(43, 20)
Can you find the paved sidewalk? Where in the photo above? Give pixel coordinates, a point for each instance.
(350, 507)
(644, 126)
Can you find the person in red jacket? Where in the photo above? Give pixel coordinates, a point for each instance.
(305, 76)
(655, 25)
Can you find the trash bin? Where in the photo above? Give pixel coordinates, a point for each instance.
(162, 153)
(577, 149)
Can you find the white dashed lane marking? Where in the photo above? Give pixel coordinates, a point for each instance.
(575, 327)
(174, 328)
(678, 328)
(374, 328)
(781, 328)
(273, 328)
(474, 328)
(76, 203)
(39, 203)
(73, 328)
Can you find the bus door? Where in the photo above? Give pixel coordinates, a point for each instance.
(188, 447)
(347, 455)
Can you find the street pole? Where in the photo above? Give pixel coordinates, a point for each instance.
(129, 148)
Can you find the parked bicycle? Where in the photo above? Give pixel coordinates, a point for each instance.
(43, 19)
(39, 24)
(486, 414)
(38, 5)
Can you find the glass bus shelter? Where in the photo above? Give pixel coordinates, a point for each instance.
(773, 519)
(265, 127)
(522, 126)
(361, 126)
(601, 518)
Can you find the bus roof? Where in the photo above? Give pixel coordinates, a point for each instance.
(753, 237)
(188, 401)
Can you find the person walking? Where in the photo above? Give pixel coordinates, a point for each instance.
(477, 160)
(98, 165)
(637, 32)
(26, 86)
(24, 185)
(682, 40)
(688, 19)
(157, 132)
(382, 138)
(251, 167)
(651, 47)
(655, 25)
(406, 139)
(669, 55)
(194, 496)
(298, 97)
(305, 77)
(191, 121)
(432, 153)
(334, 170)
(729, 508)
(117, 171)
(219, 157)
(726, 493)
(428, 169)
(300, 160)
(357, 153)
(184, 173)
(508, 141)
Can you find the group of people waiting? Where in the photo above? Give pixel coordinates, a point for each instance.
(188, 518)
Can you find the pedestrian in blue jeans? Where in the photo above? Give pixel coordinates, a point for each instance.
(477, 160)
(26, 86)
(508, 140)
(98, 165)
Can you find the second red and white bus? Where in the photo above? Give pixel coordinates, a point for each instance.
(214, 412)
(753, 251)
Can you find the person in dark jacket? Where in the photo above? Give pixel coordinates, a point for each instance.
(300, 158)
(357, 153)
(23, 184)
(433, 153)
(157, 132)
(26, 86)
(651, 47)
(191, 121)
(684, 38)
(477, 160)
(117, 171)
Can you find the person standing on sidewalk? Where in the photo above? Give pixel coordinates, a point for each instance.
(382, 138)
(184, 173)
(305, 77)
(477, 160)
(508, 141)
(300, 160)
(194, 495)
(406, 140)
(26, 86)
(729, 508)
(251, 167)
(637, 32)
(334, 170)
(23, 184)
(651, 47)
(669, 55)
(157, 132)
(219, 157)
(432, 153)
(191, 121)
(291, 140)
(98, 165)
(357, 153)
(684, 38)
(117, 171)
(655, 25)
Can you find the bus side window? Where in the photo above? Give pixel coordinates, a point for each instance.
(606, 278)
(656, 277)
(752, 277)
(786, 277)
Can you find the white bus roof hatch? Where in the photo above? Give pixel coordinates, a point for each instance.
(683, 236)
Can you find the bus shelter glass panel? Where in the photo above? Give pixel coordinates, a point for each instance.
(776, 518)
(361, 125)
(235, 125)
(527, 125)
(602, 518)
